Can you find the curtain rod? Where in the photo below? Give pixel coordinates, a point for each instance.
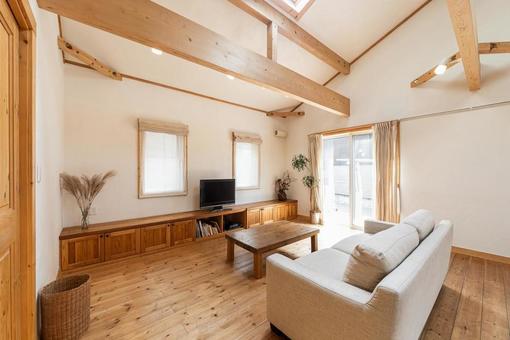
(421, 116)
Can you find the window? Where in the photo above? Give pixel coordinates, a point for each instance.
(295, 8)
(349, 178)
(162, 159)
(246, 160)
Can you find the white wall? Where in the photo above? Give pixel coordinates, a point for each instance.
(100, 134)
(49, 151)
(378, 87)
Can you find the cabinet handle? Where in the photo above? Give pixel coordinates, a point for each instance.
(107, 235)
(100, 236)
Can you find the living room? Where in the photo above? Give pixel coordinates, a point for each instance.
(238, 169)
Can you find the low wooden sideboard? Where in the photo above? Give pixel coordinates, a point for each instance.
(120, 239)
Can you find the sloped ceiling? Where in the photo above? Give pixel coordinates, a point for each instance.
(346, 26)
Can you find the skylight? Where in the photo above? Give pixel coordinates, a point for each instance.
(296, 8)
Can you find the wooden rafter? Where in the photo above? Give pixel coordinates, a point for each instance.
(286, 114)
(288, 28)
(451, 61)
(464, 27)
(483, 48)
(272, 41)
(494, 47)
(150, 24)
(87, 59)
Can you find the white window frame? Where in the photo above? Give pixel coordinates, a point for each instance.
(239, 137)
(160, 127)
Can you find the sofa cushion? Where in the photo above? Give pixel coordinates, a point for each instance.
(329, 262)
(348, 244)
(422, 220)
(374, 258)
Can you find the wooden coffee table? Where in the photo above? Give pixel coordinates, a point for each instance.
(261, 239)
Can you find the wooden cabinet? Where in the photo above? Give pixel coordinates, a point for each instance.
(292, 212)
(120, 239)
(155, 237)
(183, 232)
(267, 215)
(281, 212)
(121, 243)
(81, 251)
(253, 217)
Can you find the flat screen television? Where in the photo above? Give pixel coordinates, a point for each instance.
(214, 193)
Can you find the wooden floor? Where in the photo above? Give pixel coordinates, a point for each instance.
(193, 293)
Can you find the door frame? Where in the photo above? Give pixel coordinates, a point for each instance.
(26, 116)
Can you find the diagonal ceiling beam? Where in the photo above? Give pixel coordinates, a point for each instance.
(266, 13)
(155, 26)
(464, 27)
(87, 59)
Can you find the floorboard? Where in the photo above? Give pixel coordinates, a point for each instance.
(193, 293)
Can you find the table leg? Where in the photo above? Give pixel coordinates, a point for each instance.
(315, 243)
(230, 250)
(257, 265)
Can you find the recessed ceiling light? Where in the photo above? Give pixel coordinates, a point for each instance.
(156, 51)
(230, 77)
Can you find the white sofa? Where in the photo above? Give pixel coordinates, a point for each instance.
(308, 299)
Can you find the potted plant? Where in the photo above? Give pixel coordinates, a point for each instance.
(282, 185)
(84, 189)
(301, 163)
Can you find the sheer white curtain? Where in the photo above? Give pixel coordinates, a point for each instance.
(387, 165)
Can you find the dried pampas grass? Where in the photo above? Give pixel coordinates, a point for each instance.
(84, 189)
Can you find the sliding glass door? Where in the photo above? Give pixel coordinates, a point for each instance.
(348, 179)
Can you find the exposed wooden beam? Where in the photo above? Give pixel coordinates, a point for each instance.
(272, 42)
(494, 47)
(464, 27)
(393, 29)
(87, 59)
(285, 114)
(451, 61)
(150, 24)
(288, 28)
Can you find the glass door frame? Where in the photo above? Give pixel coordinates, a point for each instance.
(351, 168)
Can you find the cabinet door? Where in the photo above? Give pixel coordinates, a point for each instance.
(155, 237)
(183, 232)
(122, 243)
(267, 215)
(292, 214)
(81, 251)
(281, 212)
(253, 217)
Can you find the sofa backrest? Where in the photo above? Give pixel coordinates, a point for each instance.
(408, 293)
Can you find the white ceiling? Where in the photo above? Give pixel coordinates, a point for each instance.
(346, 26)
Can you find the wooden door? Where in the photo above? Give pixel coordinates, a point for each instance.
(292, 214)
(267, 215)
(281, 212)
(183, 232)
(122, 243)
(10, 313)
(81, 251)
(155, 237)
(253, 217)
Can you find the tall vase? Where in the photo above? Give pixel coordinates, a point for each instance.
(85, 219)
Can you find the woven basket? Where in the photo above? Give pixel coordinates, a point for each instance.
(65, 308)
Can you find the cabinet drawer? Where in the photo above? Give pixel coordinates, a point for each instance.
(267, 215)
(292, 213)
(155, 237)
(281, 212)
(122, 243)
(81, 251)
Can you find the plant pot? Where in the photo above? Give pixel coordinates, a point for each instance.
(315, 217)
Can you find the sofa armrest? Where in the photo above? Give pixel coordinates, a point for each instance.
(374, 226)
